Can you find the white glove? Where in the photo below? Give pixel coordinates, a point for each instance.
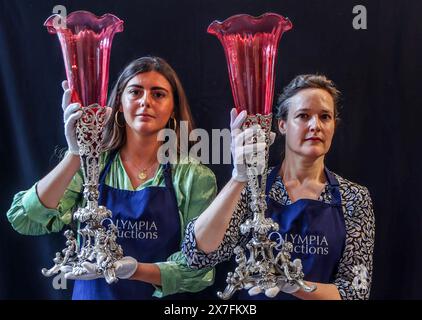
(88, 271)
(71, 114)
(284, 285)
(244, 149)
(124, 269)
(290, 288)
(272, 292)
(286, 288)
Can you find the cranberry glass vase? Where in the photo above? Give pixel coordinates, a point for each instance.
(250, 44)
(86, 41)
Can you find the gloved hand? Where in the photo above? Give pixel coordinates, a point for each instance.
(124, 269)
(284, 287)
(87, 271)
(289, 288)
(272, 292)
(243, 147)
(71, 114)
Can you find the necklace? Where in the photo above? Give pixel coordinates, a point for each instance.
(143, 173)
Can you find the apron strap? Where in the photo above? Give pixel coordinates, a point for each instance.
(333, 187)
(106, 169)
(169, 183)
(271, 178)
(167, 176)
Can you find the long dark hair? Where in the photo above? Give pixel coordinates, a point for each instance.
(114, 135)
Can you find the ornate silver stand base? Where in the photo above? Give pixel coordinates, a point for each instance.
(98, 242)
(261, 271)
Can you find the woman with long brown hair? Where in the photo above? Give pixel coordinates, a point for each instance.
(151, 202)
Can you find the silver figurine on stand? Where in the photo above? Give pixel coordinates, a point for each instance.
(97, 243)
(262, 271)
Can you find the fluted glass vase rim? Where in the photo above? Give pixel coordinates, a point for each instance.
(107, 20)
(220, 27)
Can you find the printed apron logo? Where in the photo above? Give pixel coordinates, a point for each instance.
(308, 244)
(142, 230)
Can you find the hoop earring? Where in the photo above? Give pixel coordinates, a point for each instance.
(174, 124)
(116, 121)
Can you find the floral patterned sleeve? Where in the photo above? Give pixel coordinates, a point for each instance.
(197, 259)
(354, 274)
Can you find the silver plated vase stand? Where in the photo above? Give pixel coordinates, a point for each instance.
(97, 238)
(262, 270)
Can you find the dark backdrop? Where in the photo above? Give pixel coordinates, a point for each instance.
(377, 145)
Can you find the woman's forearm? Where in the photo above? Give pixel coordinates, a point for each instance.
(51, 188)
(212, 224)
(323, 291)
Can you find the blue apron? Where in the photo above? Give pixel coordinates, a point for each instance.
(316, 229)
(149, 231)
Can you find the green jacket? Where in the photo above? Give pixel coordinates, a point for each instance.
(195, 188)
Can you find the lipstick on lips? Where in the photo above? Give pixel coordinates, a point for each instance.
(314, 139)
(145, 116)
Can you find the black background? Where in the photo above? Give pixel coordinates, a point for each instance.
(377, 145)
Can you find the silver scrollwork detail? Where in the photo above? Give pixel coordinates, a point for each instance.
(261, 270)
(98, 242)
